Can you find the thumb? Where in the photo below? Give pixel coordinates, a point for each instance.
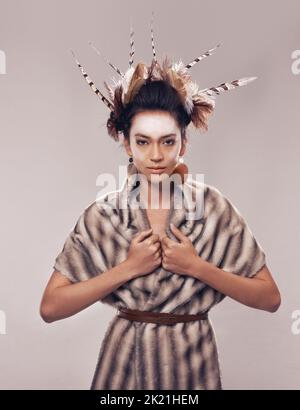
(177, 232)
(144, 234)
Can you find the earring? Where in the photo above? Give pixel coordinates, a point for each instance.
(130, 159)
(181, 169)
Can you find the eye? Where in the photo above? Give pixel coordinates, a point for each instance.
(138, 142)
(170, 140)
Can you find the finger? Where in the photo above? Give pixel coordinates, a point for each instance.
(158, 247)
(166, 241)
(157, 254)
(155, 238)
(177, 232)
(158, 251)
(153, 241)
(142, 235)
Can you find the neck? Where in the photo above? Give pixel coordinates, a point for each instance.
(152, 192)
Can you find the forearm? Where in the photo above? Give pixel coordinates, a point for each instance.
(252, 292)
(67, 300)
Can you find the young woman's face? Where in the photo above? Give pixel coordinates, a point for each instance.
(155, 141)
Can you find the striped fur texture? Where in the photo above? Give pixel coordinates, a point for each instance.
(135, 355)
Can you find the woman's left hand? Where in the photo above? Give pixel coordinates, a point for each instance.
(178, 257)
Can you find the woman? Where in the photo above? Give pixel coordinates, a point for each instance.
(163, 280)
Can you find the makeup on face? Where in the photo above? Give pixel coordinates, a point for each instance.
(155, 144)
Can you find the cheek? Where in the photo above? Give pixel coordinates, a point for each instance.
(140, 155)
(173, 154)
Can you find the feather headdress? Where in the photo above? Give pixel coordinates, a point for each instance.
(197, 103)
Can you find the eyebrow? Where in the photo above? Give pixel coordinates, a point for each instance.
(145, 136)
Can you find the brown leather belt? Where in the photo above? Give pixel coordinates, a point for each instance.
(159, 317)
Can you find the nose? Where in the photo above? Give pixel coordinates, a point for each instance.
(156, 155)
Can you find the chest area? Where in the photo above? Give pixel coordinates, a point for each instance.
(158, 220)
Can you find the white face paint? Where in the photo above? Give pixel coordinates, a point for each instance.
(155, 141)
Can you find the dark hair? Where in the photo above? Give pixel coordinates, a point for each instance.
(154, 95)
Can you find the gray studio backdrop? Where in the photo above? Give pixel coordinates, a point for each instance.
(54, 145)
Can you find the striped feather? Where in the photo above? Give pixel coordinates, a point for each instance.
(110, 91)
(92, 85)
(108, 62)
(206, 54)
(131, 54)
(227, 86)
(152, 39)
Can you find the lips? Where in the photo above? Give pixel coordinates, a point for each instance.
(156, 170)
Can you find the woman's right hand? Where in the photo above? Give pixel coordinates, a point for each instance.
(144, 253)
